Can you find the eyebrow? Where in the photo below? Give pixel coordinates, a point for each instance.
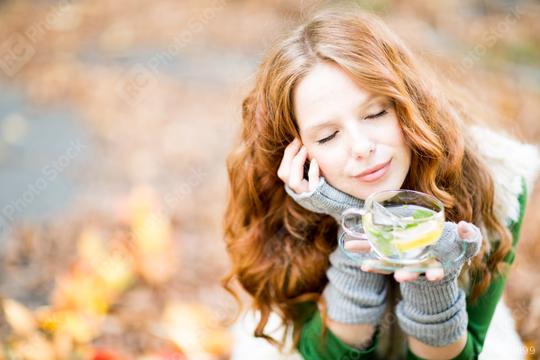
(370, 100)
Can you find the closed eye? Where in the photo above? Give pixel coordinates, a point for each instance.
(379, 114)
(328, 138)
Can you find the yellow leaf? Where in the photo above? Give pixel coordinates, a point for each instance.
(217, 342)
(79, 326)
(193, 328)
(20, 319)
(158, 268)
(142, 202)
(152, 234)
(117, 272)
(90, 247)
(63, 345)
(47, 319)
(35, 347)
(83, 291)
(66, 323)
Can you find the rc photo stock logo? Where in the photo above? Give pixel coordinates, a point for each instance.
(15, 52)
(35, 189)
(136, 82)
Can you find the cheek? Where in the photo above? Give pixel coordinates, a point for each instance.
(325, 160)
(400, 144)
(407, 158)
(394, 135)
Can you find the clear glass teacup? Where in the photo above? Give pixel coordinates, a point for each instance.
(400, 225)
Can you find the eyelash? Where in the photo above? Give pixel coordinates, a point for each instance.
(322, 141)
(377, 115)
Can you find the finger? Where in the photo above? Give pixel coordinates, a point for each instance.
(465, 230)
(360, 246)
(378, 266)
(313, 174)
(435, 274)
(371, 266)
(296, 172)
(290, 151)
(402, 275)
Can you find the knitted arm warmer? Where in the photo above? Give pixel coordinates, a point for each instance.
(352, 296)
(325, 199)
(434, 312)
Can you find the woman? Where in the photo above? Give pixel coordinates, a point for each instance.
(344, 92)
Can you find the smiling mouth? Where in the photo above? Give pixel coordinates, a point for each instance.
(374, 174)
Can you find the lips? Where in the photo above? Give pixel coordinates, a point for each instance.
(372, 169)
(374, 172)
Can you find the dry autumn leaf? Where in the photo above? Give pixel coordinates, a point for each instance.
(34, 347)
(193, 328)
(21, 319)
(152, 237)
(81, 290)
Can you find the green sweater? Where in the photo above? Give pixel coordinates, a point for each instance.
(313, 347)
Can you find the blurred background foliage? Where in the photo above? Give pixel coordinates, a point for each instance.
(115, 121)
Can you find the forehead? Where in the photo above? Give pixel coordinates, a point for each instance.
(325, 90)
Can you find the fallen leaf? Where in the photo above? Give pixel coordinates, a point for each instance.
(20, 318)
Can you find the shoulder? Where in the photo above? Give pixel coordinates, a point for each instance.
(514, 167)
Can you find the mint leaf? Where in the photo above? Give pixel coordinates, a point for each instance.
(421, 214)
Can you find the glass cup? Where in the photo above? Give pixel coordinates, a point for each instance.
(400, 225)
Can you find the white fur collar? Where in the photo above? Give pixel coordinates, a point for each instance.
(508, 161)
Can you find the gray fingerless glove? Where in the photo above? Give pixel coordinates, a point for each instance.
(325, 199)
(352, 296)
(435, 312)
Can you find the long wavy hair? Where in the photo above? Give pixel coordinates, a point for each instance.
(279, 250)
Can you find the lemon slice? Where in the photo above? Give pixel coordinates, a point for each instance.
(418, 239)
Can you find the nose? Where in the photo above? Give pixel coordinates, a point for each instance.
(361, 146)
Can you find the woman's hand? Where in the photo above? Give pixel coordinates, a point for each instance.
(465, 231)
(291, 169)
(313, 194)
(433, 314)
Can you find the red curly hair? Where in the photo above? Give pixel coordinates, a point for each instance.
(279, 250)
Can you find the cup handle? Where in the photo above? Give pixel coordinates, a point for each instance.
(353, 212)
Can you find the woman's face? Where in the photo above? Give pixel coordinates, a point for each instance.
(350, 132)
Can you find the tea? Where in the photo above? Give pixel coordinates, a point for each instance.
(402, 231)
